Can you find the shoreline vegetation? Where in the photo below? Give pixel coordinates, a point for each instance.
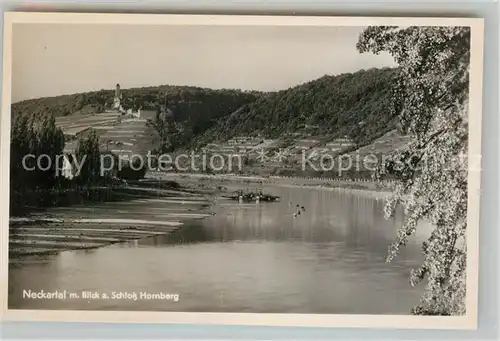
(361, 186)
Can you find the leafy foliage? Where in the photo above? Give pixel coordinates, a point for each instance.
(172, 134)
(432, 104)
(88, 152)
(32, 137)
(134, 171)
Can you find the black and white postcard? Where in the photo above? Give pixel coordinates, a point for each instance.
(241, 170)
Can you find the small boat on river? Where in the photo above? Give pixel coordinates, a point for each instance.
(252, 197)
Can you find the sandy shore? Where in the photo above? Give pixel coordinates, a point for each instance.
(364, 192)
(155, 211)
(365, 188)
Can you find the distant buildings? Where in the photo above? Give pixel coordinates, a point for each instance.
(339, 145)
(311, 126)
(236, 145)
(137, 113)
(253, 147)
(118, 106)
(304, 144)
(244, 141)
(122, 131)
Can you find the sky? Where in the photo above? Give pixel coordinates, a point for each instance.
(57, 59)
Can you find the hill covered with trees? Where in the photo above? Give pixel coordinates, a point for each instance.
(197, 108)
(357, 105)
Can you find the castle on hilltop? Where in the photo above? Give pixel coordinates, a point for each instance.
(117, 100)
(139, 113)
(118, 106)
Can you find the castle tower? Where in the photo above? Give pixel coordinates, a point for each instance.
(118, 96)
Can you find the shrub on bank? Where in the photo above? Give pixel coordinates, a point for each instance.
(132, 171)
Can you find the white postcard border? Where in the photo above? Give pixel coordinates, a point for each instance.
(469, 321)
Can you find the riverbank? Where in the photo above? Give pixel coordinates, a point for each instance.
(217, 182)
(366, 192)
(139, 210)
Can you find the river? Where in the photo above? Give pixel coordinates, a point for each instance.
(247, 258)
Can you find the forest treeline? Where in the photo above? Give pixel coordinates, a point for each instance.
(34, 132)
(196, 108)
(357, 105)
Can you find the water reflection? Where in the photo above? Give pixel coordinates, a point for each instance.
(247, 258)
(355, 221)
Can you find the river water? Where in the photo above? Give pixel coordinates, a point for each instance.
(246, 258)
